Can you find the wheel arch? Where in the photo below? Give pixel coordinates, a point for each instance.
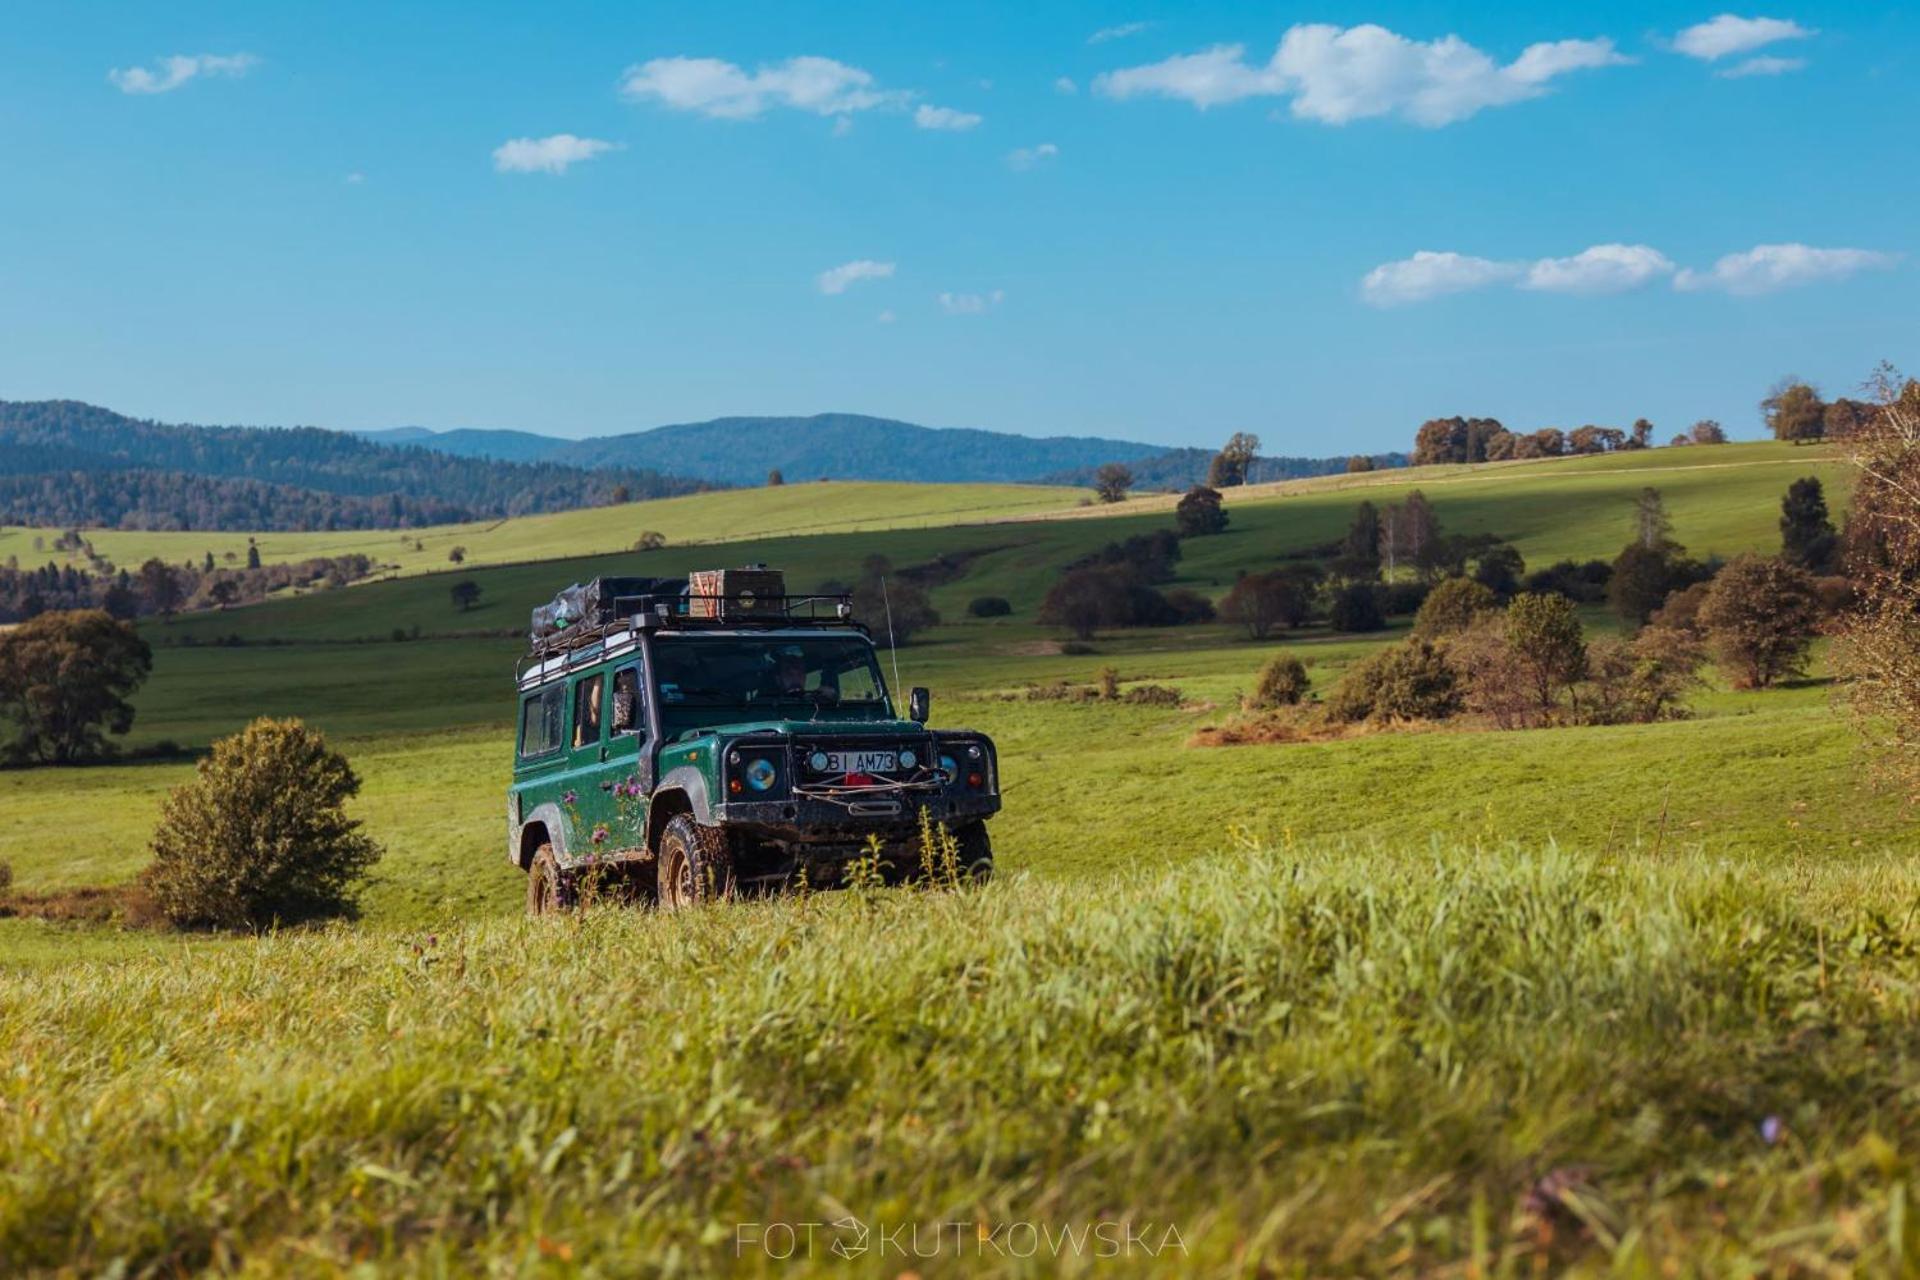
(544, 825)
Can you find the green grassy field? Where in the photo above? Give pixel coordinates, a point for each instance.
(1328, 1008)
(786, 510)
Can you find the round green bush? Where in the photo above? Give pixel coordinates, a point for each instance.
(989, 607)
(260, 836)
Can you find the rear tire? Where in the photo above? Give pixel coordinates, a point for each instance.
(549, 889)
(976, 853)
(696, 866)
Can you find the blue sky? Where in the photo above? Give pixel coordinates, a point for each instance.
(1070, 218)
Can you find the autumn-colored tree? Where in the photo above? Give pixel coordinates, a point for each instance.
(1759, 617)
(456, 555)
(1879, 649)
(160, 584)
(1232, 464)
(1262, 601)
(64, 683)
(1707, 431)
(1794, 411)
(1282, 683)
(1359, 463)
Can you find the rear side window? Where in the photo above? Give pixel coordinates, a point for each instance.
(540, 721)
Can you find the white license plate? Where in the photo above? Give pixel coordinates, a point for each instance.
(862, 761)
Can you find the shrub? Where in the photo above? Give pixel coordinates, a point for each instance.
(1356, 607)
(1402, 598)
(260, 836)
(1185, 606)
(1759, 617)
(1452, 607)
(1200, 513)
(1108, 683)
(1499, 570)
(6, 877)
(989, 607)
(1547, 639)
(1642, 577)
(1641, 680)
(1075, 649)
(1410, 681)
(1282, 683)
(1582, 583)
(1262, 601)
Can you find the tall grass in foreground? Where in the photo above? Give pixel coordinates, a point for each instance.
(1445, 1059)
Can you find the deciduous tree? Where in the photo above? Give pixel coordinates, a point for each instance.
(64, 683)
(1112, 481)
(1200, 513)
(1759, 617)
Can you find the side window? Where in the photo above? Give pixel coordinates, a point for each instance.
(540, 721)
(628, 715)
(586, 710)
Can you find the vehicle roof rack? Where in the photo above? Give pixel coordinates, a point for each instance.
(675, 613)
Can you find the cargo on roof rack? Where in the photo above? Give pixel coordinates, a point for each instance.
(710, 599)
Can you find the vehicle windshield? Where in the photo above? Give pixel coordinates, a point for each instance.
(767, 677)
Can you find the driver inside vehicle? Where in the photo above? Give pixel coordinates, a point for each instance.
(787, 678)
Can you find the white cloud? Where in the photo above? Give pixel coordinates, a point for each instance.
(1029, 157)
(1120, 32)
(970, 304)
(551, 154)
(355, 178)
(725, 91)
(1428, 275)
(1065, 84)
(1765, 66)
(1335, 75)
(1728, 34)
(836, 279)
(887, 316)
(1605, 268)
(930, 117)
(170, 73)
(1768, 267)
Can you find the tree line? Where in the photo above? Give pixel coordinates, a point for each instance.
(157, 588)
(67, 463)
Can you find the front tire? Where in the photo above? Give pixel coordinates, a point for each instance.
(976, 853)
(549, 889)
(696, 866)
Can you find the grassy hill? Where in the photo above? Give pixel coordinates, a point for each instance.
(787, 510)
(1358, 1006)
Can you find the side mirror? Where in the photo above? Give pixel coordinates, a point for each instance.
(917, 704)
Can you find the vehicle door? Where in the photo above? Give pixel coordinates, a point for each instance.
(540, 760)
(589, 796)
(629, 774)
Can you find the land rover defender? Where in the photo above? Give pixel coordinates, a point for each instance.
(687, 740)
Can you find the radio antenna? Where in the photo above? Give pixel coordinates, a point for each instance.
(892, 652)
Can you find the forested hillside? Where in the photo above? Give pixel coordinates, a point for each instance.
(834, 446)
(63, 462)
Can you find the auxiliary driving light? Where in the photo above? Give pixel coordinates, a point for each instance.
(949, 768)
(817, 762)
(761, 774)
(908, 760)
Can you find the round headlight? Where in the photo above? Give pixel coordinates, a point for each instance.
(817, 762)
(949, 768)
(761, 773)
(908, 760)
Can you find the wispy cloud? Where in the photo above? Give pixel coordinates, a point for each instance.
(169, 74)
(836, 279)
(356, 178)
(1065, 85)
(1613, 268)
(711, 87)
(1335, 75)
(931, 117)
(552, 154)
(1728, 34)
(970, 304)
(1120, 32)
(1428, 275)
(1024, 158)
(1765, 66)
(1767, 268)
(1605, 268)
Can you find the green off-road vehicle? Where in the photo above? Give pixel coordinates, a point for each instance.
(687, 740)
